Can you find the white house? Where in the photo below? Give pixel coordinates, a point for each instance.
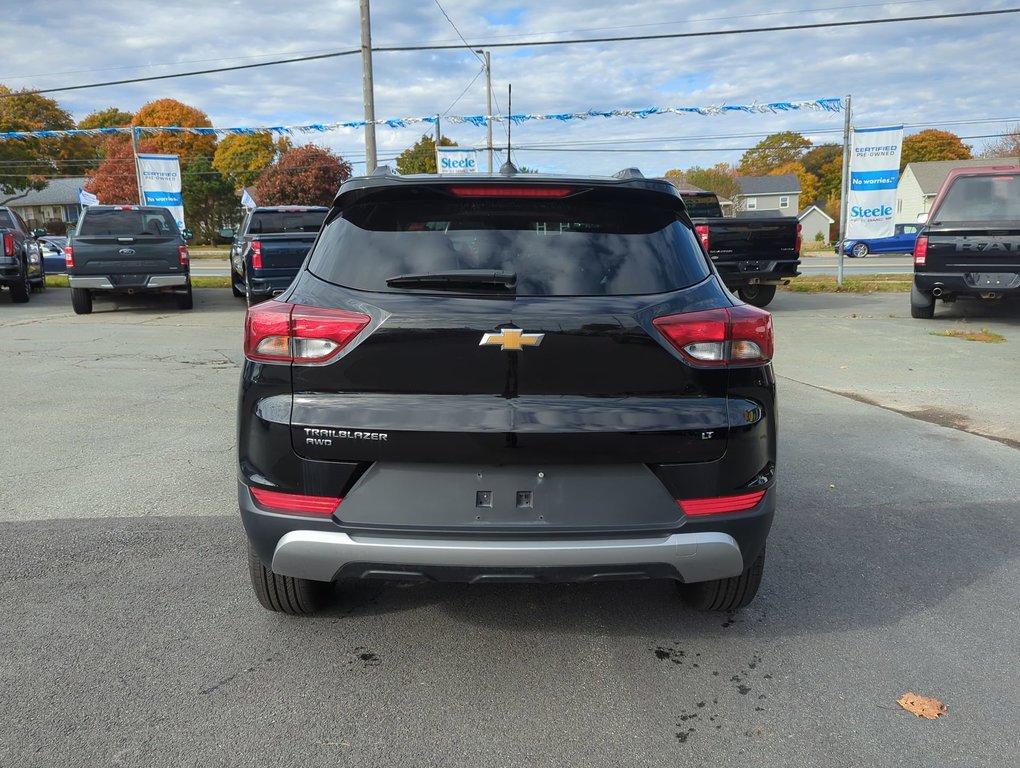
(814, 222)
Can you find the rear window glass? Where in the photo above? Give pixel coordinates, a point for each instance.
(589, 244)
(127, 223)
(981, 198)
(6, 220)
(702, 206)
(275, 222)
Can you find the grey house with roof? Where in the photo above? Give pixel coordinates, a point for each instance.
(55, 207)
(777, 195)
(920, 182)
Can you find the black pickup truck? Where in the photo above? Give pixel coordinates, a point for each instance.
(270, 247)
(752, 255)
(124, 249)
(970, 244)
(21, 265)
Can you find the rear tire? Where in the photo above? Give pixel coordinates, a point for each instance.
(726, 594)
(81, 301)
(185, 300)
(922, 305)
(21, 291)
(757, 295)
(285, 594)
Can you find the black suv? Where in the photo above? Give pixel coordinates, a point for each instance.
(507, 378)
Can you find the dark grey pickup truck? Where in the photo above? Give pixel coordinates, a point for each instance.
(752, 255)
(125, 249)
(270, 247)
(21, 265)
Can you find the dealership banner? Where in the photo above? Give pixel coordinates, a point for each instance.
(874, 174)
(456, 160)
(160, 177)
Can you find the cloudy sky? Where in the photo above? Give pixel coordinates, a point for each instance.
(954, 74)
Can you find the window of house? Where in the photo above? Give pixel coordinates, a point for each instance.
(784, 202)
(751, 203)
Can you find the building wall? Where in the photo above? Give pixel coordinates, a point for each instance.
(813, 223)
(910, 200)
(771, 202)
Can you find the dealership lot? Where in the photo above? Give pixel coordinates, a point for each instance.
(131, 635)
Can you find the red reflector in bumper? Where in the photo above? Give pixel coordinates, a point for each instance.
(296, 502)
(719, 504)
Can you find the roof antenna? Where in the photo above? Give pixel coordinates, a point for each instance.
(508, 168)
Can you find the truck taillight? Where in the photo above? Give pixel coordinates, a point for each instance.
(278, 332)
(800, 237)
(8, 244)
(256, 254)
(68, 256)
(740, 335)
(921, 251)
(183, 255)
(702, 230)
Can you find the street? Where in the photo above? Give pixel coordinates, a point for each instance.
(131, 636)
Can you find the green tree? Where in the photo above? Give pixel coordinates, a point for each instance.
(243, 158)
(209, 200)
(28, 163)
(111, 117)
(720, 179)
(308, 175)
(772, 152)
(932, 144)
(421, 158)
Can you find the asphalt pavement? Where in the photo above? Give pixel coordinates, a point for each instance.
(130, 635)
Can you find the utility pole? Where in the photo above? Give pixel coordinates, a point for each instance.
(366, 87)
(138, 170)
(488, 103)
(845, 189)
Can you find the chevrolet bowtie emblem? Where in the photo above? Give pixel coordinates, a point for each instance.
(512, 339)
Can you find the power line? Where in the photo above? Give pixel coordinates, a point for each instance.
(531, 44)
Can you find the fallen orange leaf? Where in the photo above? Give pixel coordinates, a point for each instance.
(922, 706)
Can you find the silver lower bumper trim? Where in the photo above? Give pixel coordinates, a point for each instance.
(90, 282)
(104, 284)
(319, 555)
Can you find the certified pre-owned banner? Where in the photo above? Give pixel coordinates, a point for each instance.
(874, 173)
(160, 177)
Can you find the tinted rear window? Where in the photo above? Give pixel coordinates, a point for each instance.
(981, 198)
(275, 222)
(702, 206)
(127, 223)
(6, 220)
(589, 244)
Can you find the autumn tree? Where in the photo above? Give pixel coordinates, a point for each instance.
(209, 200)
(115, 181)
(809, 187)
(773, 151)
(243, 158)
(170, 112)
(932, 144)
(111, 117)
(308, 175)
(720, 179)
(1007, 145)
(421, 158)
(28, 163)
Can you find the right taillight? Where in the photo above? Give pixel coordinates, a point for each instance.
(921, 250)
(703, 234)
(298, 503)
(8, 244)
(278, 332)
(256, 254)
(740, 335)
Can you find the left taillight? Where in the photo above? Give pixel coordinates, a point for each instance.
(704, 235)
(800, 237)
(921, 251)
(727, 336)
(278, 332)
(183, 255)
(295, 503)
(68, 257)
(8, 244)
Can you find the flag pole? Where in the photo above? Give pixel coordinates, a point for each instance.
(138, 175)
(845, 188)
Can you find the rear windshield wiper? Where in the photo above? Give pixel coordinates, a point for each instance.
(457, 278)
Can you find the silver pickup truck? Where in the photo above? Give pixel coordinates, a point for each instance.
(125, 249)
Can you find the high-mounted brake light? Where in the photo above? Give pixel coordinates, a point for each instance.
(718, 505)
(703, 234)
(68, 256)
(8, 244)
(183, 255)
(278, 332)
(256, 254)
(295, 502)
(727, 336)
(508, 191)
(921, 250)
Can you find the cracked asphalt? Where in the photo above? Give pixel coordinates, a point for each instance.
(130, 637)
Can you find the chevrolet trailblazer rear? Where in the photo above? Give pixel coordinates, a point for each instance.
(505, 379)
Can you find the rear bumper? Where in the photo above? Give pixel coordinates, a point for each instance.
(271, 285)
(1006, 283)
(147, 283)
(761, 272)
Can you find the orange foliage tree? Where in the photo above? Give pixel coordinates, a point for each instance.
(170, 112)
(114, 182)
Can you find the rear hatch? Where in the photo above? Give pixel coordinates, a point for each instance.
(503, 326)
(126, 243)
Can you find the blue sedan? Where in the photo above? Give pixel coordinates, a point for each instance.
(901, 241)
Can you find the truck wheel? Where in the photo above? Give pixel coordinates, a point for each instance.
(757, 295)
(725, 594)
(233, 284)
(860, 250)
(21, 290)
(285, 594)
(922, 304)
(81, 301)
(185, 300)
